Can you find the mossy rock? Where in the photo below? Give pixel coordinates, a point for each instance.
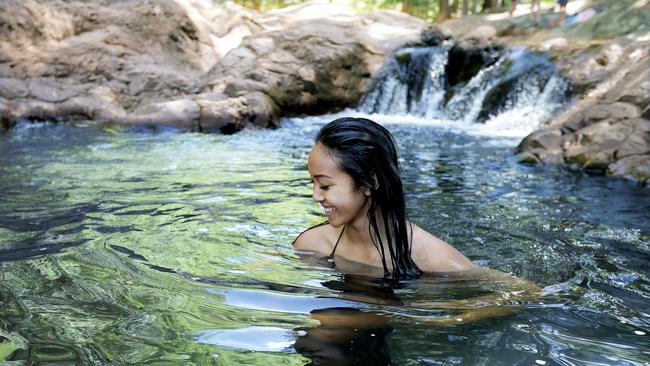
(494, 99)
(527, 158)
(464, 64)
(582, 159)
(403, 58)
(641, 176)
(587, 163)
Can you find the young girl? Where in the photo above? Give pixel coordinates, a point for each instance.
(355, 175)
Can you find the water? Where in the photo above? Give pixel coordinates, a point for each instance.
(155, 247)
(515, 86)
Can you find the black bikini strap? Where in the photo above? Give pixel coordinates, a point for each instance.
(337, 242)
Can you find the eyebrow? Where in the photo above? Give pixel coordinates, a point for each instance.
(318, 176)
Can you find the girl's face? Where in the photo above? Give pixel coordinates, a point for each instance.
(334, 190)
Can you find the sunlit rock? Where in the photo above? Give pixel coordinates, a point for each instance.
(155, 58)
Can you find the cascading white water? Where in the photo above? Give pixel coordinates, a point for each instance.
(518, 90)
(411, 82)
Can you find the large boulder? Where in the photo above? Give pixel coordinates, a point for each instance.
(608, 129)
(307, 63)
(195, 64)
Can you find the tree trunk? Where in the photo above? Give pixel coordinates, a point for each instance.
(465, 7)
(488, 6)
(407, 6)
(444, 10)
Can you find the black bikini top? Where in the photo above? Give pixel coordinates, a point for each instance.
(337, 244)
(331, 256)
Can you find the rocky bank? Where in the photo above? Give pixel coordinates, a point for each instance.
(195, 64)
(606, 129)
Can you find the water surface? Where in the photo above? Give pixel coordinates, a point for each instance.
(157, 247)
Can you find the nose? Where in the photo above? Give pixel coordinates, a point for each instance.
(316, 194)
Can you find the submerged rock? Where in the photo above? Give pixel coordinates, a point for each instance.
(198, 64)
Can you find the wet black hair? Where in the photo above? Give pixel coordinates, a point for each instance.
(366, 151)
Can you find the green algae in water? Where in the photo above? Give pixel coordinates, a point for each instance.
(6, 349)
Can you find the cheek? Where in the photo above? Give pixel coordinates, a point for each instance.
(357, 201)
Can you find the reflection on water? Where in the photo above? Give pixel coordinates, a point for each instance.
(174, 248)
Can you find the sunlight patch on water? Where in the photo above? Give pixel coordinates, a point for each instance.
(259, 339)
(280, 302)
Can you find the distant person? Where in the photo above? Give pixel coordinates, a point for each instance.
(562, 11)
(562, 14)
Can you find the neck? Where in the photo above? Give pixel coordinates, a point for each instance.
(358, 234)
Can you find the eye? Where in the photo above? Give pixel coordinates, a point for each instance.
(324, 187)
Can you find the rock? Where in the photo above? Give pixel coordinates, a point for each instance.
(635, 168)
(262, 111)
(594, 146)
(614, 112)
(481, 36)
(558, 42)
(175, 62)
(234, 114)
(543, 146)
(49, 90)
(608, 129)
(12, 88)
(433, 36)
(314, 67)
(464, 63)
(618, 18)
(638, 142)
(221, 116)
(183, 113)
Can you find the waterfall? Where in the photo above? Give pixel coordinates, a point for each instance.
(510, 87)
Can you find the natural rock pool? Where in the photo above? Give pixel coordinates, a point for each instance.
(158, 247)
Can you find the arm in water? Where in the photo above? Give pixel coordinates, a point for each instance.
(510, 293)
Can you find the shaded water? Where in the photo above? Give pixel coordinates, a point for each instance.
(175, 248)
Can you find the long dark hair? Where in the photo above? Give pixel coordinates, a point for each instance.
(366, 151)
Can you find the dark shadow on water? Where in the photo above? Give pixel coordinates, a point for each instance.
(345, 336)
(34, 247)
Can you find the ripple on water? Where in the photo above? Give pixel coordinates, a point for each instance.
(114, 246)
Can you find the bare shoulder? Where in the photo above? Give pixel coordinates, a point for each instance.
(432, 254)
(319, 238)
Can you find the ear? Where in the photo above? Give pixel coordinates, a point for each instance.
(365, 191)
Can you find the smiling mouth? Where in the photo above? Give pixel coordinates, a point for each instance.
(329, 210)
